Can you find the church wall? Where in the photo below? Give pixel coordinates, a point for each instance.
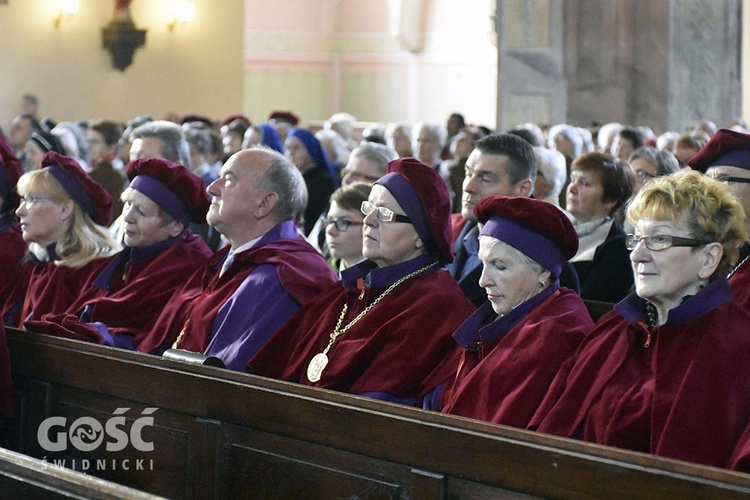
(194, 69)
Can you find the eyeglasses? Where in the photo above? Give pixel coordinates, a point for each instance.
(659, 242)
(341, 224)
(384, 214)
(643, 175)
(30, 200)
(728, 179)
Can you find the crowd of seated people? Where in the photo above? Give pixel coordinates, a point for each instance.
(444, 267)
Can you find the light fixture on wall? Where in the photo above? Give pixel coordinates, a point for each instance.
(184, 14)
(65, 10)
(121, 38)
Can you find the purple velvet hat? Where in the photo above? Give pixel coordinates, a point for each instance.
(177, 190)
(536, 228)
(726, 148)
(424, 197)
(85, 191)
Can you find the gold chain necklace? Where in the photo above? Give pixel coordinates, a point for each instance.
(319, 362)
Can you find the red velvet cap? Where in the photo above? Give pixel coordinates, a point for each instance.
(229, 119)
(284, 116)
(423, 195)
(10, 171)
(85, 191)
(536, 228)
(173, 187)
(726, 148)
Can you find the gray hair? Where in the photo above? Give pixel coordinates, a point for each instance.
(437, 131)
(569, 132)
(551, 163)
(174, 146)
(378, 155)
(664, 162)
(283, 178)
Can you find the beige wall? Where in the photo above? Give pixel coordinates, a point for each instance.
(318, 57)
(195, 69)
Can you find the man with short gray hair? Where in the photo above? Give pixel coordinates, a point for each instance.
(247, 290)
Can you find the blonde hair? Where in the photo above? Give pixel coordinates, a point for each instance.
(84, 240)
(711, 213)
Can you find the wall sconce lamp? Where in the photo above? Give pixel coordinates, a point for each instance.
(121, 38)
(185, 13)
(66, 10)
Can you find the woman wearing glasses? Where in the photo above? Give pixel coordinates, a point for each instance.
(666, 372)
(64, 214)
(343, 225)
(388, 323)
(649, 163)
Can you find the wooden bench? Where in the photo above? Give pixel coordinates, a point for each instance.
(598, 309)
(222, 434)
(27, 477)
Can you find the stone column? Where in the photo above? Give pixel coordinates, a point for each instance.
(661, 63)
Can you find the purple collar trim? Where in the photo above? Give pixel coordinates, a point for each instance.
(712, 296)
(476, 326)
(162, 196)
(401, 189)
(74, 188)
(383, 277)
(534, 245)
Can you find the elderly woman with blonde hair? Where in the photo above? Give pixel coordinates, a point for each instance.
(666, 371)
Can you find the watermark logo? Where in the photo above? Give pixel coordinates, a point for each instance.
(88, 434)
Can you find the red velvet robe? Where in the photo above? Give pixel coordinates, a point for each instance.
(508, 383)
(52, 289)
(388, 352)
(740, 279)
(301, 270)
(12, 251)
(129, 307)
(685, 396)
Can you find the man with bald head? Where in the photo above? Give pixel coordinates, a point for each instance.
(266, 272)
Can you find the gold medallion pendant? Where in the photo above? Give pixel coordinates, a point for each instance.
(320, 360)
(316, 367)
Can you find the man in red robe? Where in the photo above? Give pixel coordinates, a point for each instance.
(232, 305)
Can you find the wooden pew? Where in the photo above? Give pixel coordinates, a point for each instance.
(597, 309)
(222, 434)
(27, 478)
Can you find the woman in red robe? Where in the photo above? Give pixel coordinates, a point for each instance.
(511, 348)
(120, 305)
(667, 371)
(63, 213)
(388, 323)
